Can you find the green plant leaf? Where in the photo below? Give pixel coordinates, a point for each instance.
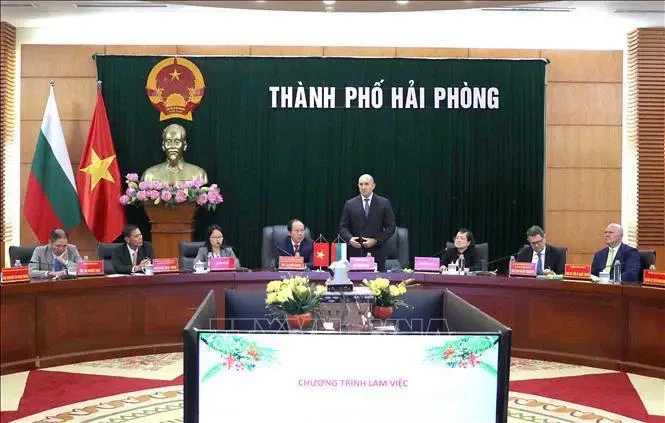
(212, 372)
(489, 368)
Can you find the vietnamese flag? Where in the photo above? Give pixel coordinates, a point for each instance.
(98, 179)
(321, 257)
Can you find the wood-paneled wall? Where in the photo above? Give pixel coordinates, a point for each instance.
(583, 164)
(646, 133)
(7, 124)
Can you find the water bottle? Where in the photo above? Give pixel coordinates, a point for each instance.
(461, 264)
(209, 260)
(85, 258)
(17, 263)
(510, 265)
(375, 264)
(617, 271)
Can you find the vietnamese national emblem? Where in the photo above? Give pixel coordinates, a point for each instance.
(175, 87)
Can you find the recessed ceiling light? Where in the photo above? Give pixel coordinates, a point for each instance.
(328, 2)
(402, 1)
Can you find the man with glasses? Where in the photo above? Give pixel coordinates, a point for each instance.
(548, 259)
(54, 259)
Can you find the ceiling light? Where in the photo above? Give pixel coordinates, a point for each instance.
(402, 1)
(328, 2)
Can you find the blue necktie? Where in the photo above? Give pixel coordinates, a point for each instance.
(57, 266)
(366, 207)
(539, 264)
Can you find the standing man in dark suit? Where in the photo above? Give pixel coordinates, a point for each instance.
(629, 257)
(133, 255)
(549, 260)
(295, 244)
(367, 222)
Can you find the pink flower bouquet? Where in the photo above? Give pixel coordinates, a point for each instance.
(144, 193)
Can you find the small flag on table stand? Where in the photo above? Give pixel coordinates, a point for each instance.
(321, 256)
(338, 249)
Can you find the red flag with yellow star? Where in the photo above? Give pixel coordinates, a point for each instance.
(98, 179)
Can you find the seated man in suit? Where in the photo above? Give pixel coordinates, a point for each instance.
(53, 259)
(133, 255)
(605, 259)
(295, 244)
(548, 260)
(367, 222)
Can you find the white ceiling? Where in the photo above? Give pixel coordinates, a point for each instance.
(39, 13)
(519, 24)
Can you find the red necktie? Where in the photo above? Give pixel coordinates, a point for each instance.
(296, 248)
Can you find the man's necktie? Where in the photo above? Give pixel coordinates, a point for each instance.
(133, 254)
(296, 249)
(366, 208)
(539, 264)
(610, 260)
(57, 266)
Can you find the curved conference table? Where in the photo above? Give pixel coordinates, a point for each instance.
(44, 324)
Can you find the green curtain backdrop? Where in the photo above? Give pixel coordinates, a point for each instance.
(442, 168)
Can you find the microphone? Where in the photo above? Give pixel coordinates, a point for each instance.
(283, 250)
(438, 253)
(503, 258)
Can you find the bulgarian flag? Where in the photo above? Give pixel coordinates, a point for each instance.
(337, 251)
(98, 178)
(51, 200)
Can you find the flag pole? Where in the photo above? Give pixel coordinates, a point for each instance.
(321, 238)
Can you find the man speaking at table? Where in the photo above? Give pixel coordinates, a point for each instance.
(367, 222)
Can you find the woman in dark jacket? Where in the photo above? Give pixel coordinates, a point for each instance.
(464, 245)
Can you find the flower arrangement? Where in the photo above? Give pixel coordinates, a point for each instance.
(292, 296)
(144, 193)
(466, 351)
(235, 353)
(387, 295)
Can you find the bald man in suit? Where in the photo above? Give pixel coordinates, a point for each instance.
(367, 222)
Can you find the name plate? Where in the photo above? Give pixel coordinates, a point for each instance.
(518, 268)
(364, 264)
(427, 264)
(90, 268)
(165, 265)
(577, 271)
(654, 278)
(219, 264)
(15, 274)
(291, 263)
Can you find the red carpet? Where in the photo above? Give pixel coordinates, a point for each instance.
(45, 390)
(610, 391)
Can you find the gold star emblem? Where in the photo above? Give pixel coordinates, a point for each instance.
(320, 254)
(98, 169)
(175, 75)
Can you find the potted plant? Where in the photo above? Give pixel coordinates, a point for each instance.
(387, 297)
(294, 300)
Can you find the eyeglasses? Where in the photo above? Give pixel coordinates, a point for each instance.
(539, 242)
(216, 237)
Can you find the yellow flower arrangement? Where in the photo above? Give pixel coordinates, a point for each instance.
(292, 296)
(387, 295)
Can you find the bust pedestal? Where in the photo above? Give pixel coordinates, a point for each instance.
(169, 226)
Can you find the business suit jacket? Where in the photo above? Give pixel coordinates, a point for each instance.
(202, 255)
(554, 258)
(284, 247)
(471, 257)
(41, 261)
(629, 258)
(122, 261)
(379, 224)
